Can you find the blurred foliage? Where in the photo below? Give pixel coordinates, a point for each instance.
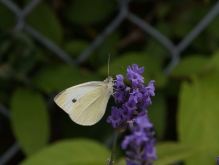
(75, 151)
(44, 15)
(184, 111)
(23, 122)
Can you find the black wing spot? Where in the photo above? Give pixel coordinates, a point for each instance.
(74, 100)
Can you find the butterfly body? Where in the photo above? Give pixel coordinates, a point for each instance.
(86, 103)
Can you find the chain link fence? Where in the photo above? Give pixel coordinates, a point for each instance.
(124, 13)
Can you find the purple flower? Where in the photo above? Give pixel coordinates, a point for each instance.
(134, 74)
(119, 81)
(217, 160)
(119, 96)
(133, 115)
(114, 119)
(150, 88)
(135, 95)
(131, 105)
(137, 70)
(129, 162)
(134, 99)
(126, 114)
(140, 142)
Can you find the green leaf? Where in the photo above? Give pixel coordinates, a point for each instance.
(213, 62)
(157, 114)
(200, 44)
(183, 23)
(152, 69)
(172, 152)
(7, 17)
(30, 121)
(57, 78)
(5, 86)
(212, 27)
(75, 47)
(121, 161)
(185, 20)
(86, 12)
(44, 20)
(156, 49)
(109, 46)
(181, 28)
(163, 11)
(66, 152)
(198, 116)
(193, 64)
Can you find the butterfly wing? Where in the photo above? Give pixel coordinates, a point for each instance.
(67, 98)
(86, 103)
(91, 107)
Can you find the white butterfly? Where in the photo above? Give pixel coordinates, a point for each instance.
(86, 103)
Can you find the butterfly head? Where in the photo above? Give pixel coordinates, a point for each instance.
(109, 80)
(109, 84)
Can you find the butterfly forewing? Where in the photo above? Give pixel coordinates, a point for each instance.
(67, 98)
(92, 106)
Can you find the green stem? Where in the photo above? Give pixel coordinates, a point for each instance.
(114, 148)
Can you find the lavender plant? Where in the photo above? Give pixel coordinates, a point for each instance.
(139, 145)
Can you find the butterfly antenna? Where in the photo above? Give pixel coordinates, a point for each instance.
(108, 63)
(117, 70)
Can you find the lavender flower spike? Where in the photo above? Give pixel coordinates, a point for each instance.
(140, 143)
(134, 99)
(133, 115)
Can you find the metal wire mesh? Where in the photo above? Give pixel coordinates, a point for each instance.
(124, 13)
